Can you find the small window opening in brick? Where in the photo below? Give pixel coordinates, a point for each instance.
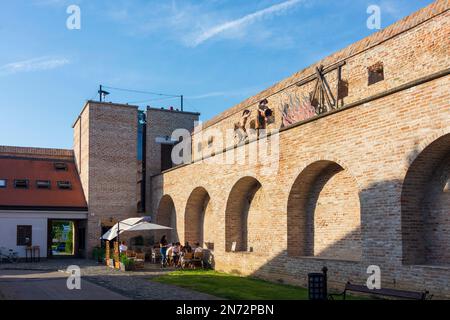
(342, 89)
(376, 73)
(210, 141)
(21, 184)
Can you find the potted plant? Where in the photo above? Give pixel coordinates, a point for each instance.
(98, 254)
(126, 264)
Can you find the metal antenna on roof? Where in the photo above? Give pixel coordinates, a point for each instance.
(102, 93)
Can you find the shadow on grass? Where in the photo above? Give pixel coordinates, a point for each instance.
(229, 286)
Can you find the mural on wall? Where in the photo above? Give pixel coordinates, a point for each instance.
(322, 99)
(295, 108)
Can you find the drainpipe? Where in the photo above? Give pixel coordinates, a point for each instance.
(144, 163)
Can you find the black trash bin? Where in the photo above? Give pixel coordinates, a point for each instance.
(317, 285)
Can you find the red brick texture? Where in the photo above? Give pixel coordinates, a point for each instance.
(362, 186)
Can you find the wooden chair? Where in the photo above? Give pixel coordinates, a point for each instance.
(156, 256)
(131, 254)
(186, 260)
(197, 260)
(139, 261)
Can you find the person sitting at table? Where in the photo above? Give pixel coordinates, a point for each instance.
(169, 253)
(186, 258)
(176, 250)
(123, 247)
(187, 247)
(198, 249)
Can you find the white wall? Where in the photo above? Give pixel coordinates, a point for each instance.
(9, 220)
(8, 233)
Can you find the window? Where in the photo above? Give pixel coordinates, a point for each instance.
(64, 185)
(166, 156)
(3, 183)
(376, 73)
(60, 166)
(24, 235)
(210, 141)
(43, 184)
(21, 184)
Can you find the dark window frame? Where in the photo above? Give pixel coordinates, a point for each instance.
(166, 157)
(60, 166)
(64, 185)
(40, 184)
(210, 141)
(376, 73)
(26, 186)
(22, 233)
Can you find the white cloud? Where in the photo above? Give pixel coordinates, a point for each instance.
(242, 22)
(243, 92)
(35, 64)
(207, 95)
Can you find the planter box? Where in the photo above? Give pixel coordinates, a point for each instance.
(123, 267)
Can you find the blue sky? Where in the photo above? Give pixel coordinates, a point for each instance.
(214, 52)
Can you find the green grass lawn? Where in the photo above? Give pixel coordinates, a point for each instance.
(229, 286)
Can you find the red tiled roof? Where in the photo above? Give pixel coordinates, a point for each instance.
(12, 168)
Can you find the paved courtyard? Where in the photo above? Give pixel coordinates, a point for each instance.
(46, 285)
(47, 281)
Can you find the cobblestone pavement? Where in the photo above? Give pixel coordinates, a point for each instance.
(134, 285)
(49, 285)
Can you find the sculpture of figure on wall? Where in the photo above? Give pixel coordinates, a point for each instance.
(297, 109)
(265, 116)
(240, 131)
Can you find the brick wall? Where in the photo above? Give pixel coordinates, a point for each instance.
(345, 187)
(324, 213)
(412, 48)
(107, 164)
(425, 206)
(161, 123)
(167, 216)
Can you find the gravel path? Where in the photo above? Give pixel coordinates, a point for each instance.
(135, 285)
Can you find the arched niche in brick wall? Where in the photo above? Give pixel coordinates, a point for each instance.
(167, 216)
(198, 220)
(324, 214)
(425, 203)
(239, 205)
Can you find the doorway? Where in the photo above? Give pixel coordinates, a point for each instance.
(62, 238)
